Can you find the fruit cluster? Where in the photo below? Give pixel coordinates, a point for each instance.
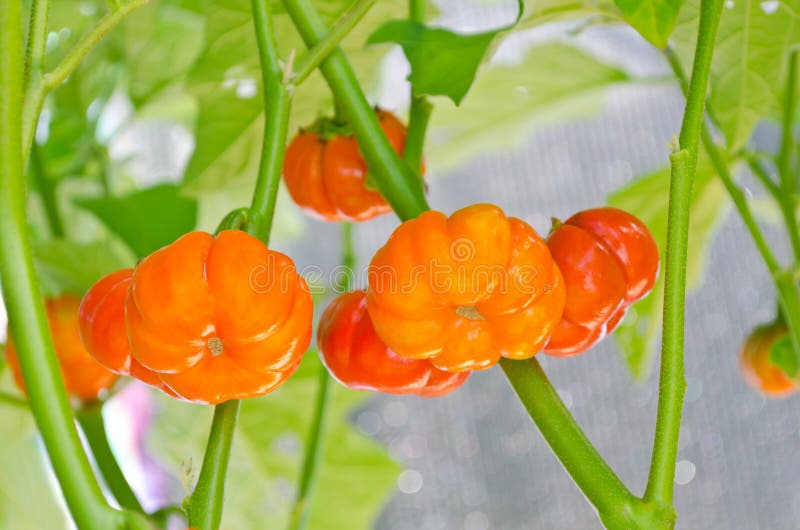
(212, 318)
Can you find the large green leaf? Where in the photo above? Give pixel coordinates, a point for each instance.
(553, 82)
(227, 82)
(443, 62)
(354, 480)
(68, 266)
(648, 199)
(749, 66)
(146, 220)
(653, 19)
(542, 11)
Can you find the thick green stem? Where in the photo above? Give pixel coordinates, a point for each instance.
(34, 98)
(47, 192)
(298, 519)
(331, 41)
(672, 382)
(614, 502)
(91, 421)
(205, 505)
(46, 393)
(397, 182)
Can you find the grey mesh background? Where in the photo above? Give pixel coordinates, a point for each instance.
(475, 461)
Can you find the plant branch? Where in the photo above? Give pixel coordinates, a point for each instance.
(788, 296)
(34, 99)
(616, 505)
(47, 192)
(12, 400)
(672, 382)
(420, 110)
(320, 51)
(46, 394)
(786, 169)
(277, 103)
(205, 504)
(298, 519)
(397, 182)
(91, 421)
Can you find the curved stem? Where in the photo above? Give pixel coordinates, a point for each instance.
(34, 99)
(320, 51)
(672, 382)
(205, 505)
(585, 465)
(277, 104)
(397, 182)
(298, 519)
(91, 421)
(46, 393)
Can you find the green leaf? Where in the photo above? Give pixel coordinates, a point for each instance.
(146, 220)
(749, 67)
(653, 19)
(443, 63)
(71, 267)
(782, 355)
(354, 480)
(553, 82)
(227, 83)
(648, 199)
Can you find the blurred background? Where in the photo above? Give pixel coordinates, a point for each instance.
(473, 460)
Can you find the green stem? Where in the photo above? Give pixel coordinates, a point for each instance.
(312, 459)
(277, 103)
(418, 117)
(762, 174)
(205, 504)
(20, 289)
(672, 382)
(788, 176)
(298, 519)
(47, 192)
(397, 182)
(91, 421)
(614, 502)
(786, 170)
(34, 98)
(14, 401)
(320, 51)
(420, 111)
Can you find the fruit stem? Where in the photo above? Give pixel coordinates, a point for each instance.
(419, 113)
(672, 382)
